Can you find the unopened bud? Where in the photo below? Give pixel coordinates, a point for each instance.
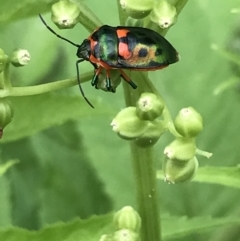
(188, 122)
(181, 149)
(176, 171)
(106, 237)
(164, 14)
(20, 57)
(150, 136)
(127, 125)
(125, 235)
(137, 9)
(127, 218)
(6, 114)
(65, 14)
(149, 107)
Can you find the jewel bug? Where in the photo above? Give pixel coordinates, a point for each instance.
(122, 47)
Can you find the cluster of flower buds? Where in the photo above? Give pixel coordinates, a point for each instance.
(139, 123)
(65, 14)
(161, 12)
(18, 58)
(127, 224)
(180, 163)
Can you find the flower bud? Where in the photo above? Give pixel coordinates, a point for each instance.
(125, 235)
(150, 136)
(127, 218)
(3, 60)
(106, 237)
(127, 125)
(164, 14)
(20, 57)
(65, 14)
(188, 122)
(115, 80)
(176, 172)
(6, 114)
(149, 107)
(137, 9)
(181, 149)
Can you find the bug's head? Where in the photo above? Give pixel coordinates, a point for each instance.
(84, 50)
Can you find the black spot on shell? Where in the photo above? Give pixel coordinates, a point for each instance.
(158, 52)
(142, 52)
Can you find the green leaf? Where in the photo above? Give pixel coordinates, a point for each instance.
(226, 176)
(175, 227)
(93, 228)
(36, 113)
(4, 167)
(87, 230)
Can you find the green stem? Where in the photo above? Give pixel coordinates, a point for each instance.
(88, 18)
(143, 164)
(122, 15)
(144, 173)
(44, 88)
(146, 184)
(203, 153)
(5, 82)
(168, 121)
(232, 82)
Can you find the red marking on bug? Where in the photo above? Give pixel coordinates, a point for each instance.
(121, 33)
(124, 51)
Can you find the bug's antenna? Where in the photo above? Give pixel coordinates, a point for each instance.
(78, 61)
(51, 30)
(79, 83)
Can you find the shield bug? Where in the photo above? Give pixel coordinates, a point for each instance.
(122, 47)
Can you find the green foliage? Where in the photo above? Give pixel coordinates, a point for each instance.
(61, 108)
(93, 228)
(69, 162)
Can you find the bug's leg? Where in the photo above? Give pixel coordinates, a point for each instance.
(79, 83)
(98, 71)
(127, 79)
(108, 81)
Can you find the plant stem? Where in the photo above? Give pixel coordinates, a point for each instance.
(146, 185)
(144, 174)
(44, 88)
(203, 153)
(4, 78)
(87, 17)
(144, 168)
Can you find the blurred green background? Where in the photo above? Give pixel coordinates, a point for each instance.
(71, 162)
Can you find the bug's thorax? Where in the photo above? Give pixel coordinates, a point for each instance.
(84, 50)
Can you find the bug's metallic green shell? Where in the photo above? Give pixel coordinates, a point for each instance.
(132, 48)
